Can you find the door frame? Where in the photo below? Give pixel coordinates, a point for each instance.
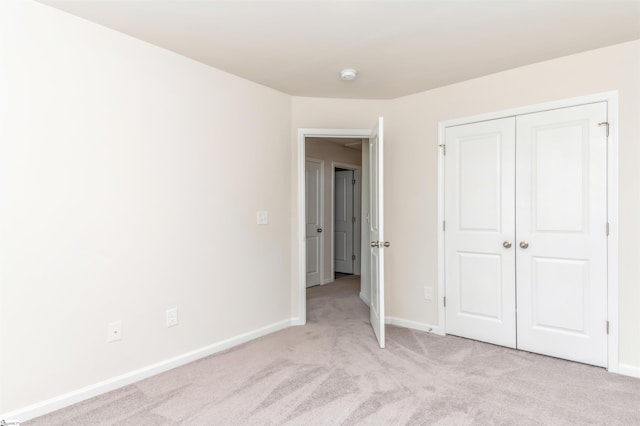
(299, 301)
(338, 165)
(611, 97)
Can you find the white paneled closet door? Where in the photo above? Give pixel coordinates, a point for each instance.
(479, 235)
(561, 219)
(526, 232)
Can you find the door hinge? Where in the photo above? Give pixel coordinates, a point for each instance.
(444, 149)
(444, 301)
(353, 257)
(607, 327)
(607, 229)
(444, 226)
(605, 123)
(353, 181)
(353, 219)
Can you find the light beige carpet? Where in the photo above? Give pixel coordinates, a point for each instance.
(332, 372)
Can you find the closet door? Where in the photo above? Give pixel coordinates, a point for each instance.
(561, 250)
(479, 235)
(343, 222)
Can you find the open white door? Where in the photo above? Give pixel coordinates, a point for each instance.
(376, 248)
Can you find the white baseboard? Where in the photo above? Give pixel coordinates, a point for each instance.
(73, 397)
(327, 281)
(621, 368)
(365, 299)
(628, 370)
(298, 321)
(415, 325)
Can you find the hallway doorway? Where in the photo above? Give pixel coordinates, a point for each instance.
(333, 208)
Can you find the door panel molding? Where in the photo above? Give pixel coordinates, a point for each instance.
(611, 98)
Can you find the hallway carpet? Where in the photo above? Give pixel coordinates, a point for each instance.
(332, 372)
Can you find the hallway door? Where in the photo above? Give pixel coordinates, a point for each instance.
(314, 190)
(344, 222)
(376, 232)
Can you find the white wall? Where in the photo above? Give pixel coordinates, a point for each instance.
(411, 132)
(129, 183)
(330, 151)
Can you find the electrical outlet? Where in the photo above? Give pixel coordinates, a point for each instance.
(172, 317)
(114, 331)
(428, 293)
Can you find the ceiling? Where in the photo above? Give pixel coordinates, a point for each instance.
(399, 47)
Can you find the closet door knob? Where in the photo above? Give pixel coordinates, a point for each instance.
(506, 244)
(524, 244)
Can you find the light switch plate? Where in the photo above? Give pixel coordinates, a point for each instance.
(262, 217)
(428, 293)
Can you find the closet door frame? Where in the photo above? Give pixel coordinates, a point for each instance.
(612, 203)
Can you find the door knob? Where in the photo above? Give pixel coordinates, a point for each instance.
(506, 244)
(380, 244)
(319, 229)
(524, 244)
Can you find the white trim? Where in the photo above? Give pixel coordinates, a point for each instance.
(298, 321)
(529, 109)
(357, 213)
(78, 395)
(414, 325)
(334, 165)
(365, 299)
(298, 240)
(612, 190)
(613, 298)
(441, 275)
(332, 243)
(322, 280)
(627, 370)
(345, 165)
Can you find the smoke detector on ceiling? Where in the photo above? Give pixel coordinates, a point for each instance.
(348, 74)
